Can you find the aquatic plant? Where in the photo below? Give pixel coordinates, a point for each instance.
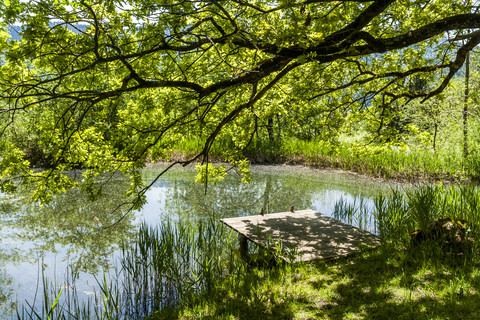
(402, 211)
(164, 265)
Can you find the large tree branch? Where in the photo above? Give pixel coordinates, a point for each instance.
(457, 22)
(325, 53)
(300, 4)
(256, 96)
(359, 23)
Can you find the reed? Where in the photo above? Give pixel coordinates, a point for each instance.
(382, 161)
(386, 161)
(165, 265)
(402, 211)
(173, 261)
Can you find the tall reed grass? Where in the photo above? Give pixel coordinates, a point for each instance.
(387, 161)
(164, 266)
(172, 261)
(397, 214)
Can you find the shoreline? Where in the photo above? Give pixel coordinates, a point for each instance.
(303, 163)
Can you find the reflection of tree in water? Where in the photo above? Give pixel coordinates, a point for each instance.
(70, 221)
(8, 254)
(7, 293)
(234, 198)
(272, 188)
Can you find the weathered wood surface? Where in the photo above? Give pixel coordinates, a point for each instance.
(314, 235)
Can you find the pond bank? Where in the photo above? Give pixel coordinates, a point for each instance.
(398, 280)
(329, 168)
(385, 162)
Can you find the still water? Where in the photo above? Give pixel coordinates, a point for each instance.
(73, 233)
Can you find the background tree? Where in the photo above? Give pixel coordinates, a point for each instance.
(118, 82)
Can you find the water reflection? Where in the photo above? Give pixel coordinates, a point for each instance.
(70, 223)
(273, 188)
(71, 230)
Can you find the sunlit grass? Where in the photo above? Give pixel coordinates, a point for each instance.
(396, 280)
(386, 161)
(380, 161)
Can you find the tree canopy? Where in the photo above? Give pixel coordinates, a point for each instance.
(106, 85)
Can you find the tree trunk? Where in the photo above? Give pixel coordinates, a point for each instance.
(465, 107)
(271, 135)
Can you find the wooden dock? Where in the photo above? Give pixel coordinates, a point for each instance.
(314, 235)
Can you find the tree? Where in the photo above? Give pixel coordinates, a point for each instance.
(114, 83)
(465, 106)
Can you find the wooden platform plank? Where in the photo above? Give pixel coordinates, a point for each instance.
(314, 235)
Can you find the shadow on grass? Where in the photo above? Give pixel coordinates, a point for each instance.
(376, 284)
(402, 284)
(241, 300)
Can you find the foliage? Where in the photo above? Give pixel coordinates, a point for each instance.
(210, 173)
(107, 86)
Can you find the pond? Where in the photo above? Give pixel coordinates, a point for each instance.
(74, 235)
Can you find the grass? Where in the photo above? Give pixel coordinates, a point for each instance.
(379, 284)
(386, 161)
